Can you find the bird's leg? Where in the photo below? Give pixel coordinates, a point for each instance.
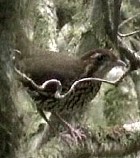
(42, 114)
(77, 134)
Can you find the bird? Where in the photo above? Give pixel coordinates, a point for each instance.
(67, 69)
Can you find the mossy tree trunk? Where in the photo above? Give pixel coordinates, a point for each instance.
(10, 126)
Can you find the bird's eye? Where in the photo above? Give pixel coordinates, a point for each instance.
(101, 57)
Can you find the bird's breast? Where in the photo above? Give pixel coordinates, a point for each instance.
(77, 99)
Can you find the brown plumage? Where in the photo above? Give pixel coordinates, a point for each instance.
(67, 69)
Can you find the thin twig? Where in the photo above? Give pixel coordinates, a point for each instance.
(127, 20)
(58, 94)
(38, 87)
(128, 34)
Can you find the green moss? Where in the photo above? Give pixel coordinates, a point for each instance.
(115, 105)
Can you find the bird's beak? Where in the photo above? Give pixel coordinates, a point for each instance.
(120, 63)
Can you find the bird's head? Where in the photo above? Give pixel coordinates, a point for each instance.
(99, 62)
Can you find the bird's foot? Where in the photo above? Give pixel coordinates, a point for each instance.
(73, 134)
